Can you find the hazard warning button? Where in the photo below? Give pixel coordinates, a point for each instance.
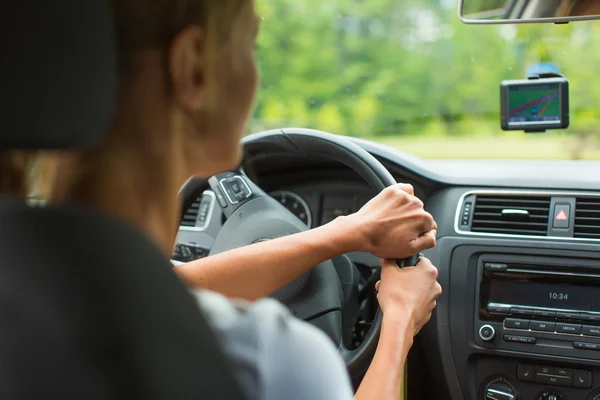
(562, 216)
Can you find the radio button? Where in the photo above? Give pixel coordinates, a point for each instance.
(513, 323)
(519, 339)
(568, 315)
(590, 317)
(495, 267)
(523, 312)
(542, 326)
(568, 328)
(591, 330)
(498, 310)
(544, 314)
(586, 346)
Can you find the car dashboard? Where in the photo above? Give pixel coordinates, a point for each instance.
(518, 255)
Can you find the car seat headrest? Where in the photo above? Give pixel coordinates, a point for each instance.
(58, 73)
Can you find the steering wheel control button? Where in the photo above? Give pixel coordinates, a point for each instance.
(513, 323)
(582, 379)
(520, 339)
(236, 189)
(526, 372)
(487, 333)
(220, 197)
(562, 216)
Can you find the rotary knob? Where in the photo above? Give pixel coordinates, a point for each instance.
(487, 333)
(500, 390)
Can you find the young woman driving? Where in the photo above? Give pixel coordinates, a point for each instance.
(188, 79)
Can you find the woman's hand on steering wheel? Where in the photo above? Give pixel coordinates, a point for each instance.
(394, 224)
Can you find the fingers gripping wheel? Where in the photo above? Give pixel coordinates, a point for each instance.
(254, 216)
(410, 261)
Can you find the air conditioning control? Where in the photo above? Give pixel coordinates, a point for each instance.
(500, 390)
(487, 333)
(551, 394)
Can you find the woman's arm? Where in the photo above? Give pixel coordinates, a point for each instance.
(407, 298)
(392, 225)
(385, 376)
(256, 271)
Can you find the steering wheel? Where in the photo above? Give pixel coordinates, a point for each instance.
(253, 216)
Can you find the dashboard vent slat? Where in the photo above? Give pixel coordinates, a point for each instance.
(587, 218)
(191, 215)
(529, 214)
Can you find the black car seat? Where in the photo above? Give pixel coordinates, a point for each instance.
(89, 308)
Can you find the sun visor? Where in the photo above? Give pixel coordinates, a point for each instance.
(58, 73)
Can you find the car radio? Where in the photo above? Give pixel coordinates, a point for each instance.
(549, 308)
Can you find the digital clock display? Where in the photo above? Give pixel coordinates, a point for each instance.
(548, 295)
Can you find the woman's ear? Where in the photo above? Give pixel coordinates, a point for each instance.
(187, 63)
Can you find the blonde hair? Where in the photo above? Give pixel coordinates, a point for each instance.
(140, 25)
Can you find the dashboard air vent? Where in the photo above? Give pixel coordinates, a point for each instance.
(587, 218)
(511, 214)
(191, 215)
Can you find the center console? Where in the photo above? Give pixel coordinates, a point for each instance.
(532, 323)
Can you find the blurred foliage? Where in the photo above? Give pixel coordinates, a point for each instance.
(387, 69)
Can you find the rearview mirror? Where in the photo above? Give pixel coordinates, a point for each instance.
(527, 11)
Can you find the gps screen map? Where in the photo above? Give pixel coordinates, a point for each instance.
(534, 104)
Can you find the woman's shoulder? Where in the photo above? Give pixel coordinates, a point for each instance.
(275, 355)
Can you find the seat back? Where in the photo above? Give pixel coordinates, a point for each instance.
(89, 308)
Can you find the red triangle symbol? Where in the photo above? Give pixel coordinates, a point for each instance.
(561, 216)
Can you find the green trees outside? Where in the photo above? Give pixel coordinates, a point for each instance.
(391, 69)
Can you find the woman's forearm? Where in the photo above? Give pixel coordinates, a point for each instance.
(384, 379)
(256, 271)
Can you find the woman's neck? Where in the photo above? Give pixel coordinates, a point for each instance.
(137, 181)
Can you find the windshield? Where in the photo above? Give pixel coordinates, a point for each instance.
(409, 74)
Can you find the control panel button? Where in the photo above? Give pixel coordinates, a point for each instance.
(236, 189)
(590, 330)
(586, 346)
(553, 380)
(523, 312)
(560, 371)
(542, 326)
(562, 216)
(568, 328)
(513, 323)
(582, 379)
(220, 197)
(498, 310)
(487, 333)
(544, 314)
(519, 339)
(544, 369)
(568, 315)
(590, 317)
(526, 372)
(495, 266)
(551, 394)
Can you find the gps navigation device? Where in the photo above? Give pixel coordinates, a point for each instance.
(534, 105)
